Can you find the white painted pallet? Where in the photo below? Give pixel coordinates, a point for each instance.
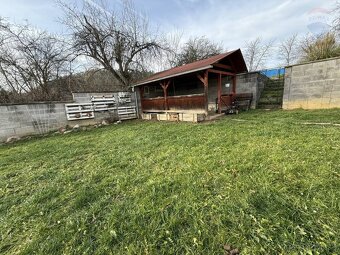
(79, 111)
(128, 112)
(124, 97)
(101, 103)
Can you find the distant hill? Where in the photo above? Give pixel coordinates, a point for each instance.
(61, 89)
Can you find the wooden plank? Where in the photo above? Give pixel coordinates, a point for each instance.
(223, 66)
(165, 86)
(220, 72)
(186, 103)
(202, 79)
(175, 102)
(206, 90)
(153, 104)
(234, 84)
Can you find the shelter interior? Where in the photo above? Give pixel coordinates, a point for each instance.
(204, 87)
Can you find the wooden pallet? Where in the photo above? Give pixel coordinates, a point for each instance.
(79, 111)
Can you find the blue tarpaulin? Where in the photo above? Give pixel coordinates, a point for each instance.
(273, 72)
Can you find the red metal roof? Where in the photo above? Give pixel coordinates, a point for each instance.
(236, 56)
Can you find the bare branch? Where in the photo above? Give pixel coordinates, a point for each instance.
(288, 50)
(31, 59)
(256, 53)
(336, 21)
(198, 48)
(118, 40)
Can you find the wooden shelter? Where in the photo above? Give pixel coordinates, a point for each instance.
(192, 91)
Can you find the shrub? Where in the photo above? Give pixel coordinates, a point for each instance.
(321, 47)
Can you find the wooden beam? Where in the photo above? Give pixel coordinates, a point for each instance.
(223, 66)
(165, 86)
(141, 91)
(141, 94)
(202, 79)
(220, 72)
(219, 92)
(205, 80)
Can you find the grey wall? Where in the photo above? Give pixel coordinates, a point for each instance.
(20, 120)
(251, 83)
(245, 83)
(312, 86)
(39, 118)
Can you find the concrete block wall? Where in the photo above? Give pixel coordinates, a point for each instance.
(39, 118)
(251, 83)
(313, 85)
(28, 119)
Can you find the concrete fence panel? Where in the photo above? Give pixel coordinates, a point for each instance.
(313, 85)
(43, 117)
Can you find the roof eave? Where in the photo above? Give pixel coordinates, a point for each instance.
(173, 75)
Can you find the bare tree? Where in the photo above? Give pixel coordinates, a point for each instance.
(288, 50)
(31, 59)
(120, 41)
(197, 48)
(256, 53)
(336, 21)
(2, 26)
(170, 53)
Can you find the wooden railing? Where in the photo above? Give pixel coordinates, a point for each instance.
(186, 102)
(156, 104)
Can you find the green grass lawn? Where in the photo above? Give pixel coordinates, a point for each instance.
(260, 181)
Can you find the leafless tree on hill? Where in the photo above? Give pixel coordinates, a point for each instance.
(119, 40)
(31, 59)
(336, 21)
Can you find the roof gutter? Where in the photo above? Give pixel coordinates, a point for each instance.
(173, 75)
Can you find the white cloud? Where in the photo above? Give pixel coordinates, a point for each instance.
(233, 23)
(227, 21)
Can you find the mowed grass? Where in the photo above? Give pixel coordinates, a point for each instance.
(260, 181)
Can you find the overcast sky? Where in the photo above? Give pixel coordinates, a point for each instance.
(229, 22)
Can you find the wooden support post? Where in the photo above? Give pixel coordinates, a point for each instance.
(234, 89)
(205, 80)
(141, 94)
(165, 86)
(234, 84)
(219, 92)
